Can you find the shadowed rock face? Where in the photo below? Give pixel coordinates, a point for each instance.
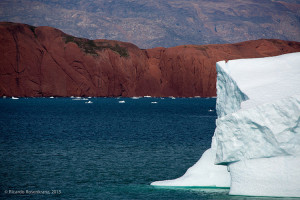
(43, 61)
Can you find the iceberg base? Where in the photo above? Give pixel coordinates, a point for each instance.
(203, 174)
(275, 176)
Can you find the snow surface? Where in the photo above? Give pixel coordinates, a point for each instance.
(245, 83)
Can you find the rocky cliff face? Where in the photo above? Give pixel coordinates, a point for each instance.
(43, 61)
(152, 23)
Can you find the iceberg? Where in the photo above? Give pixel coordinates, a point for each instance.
(257, 138)
(258, 125)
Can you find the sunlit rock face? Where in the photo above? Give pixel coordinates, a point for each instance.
(258, 129)
(44, 62)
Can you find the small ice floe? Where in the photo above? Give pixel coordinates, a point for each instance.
(172, 97)
(88, 102)
(72, 97)
(162, 98)
(89, 97)
(51, 97)
(197, 97)
(79, 98)
(4, 97)
(121, 101)
(154, 102)
(147, 96)
(76, 98)
(210, 110)
(14, 98)
(135, 97)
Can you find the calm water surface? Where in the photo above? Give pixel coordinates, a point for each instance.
(68, 149)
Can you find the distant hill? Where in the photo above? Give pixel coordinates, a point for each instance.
(152, 23)
(44, 61)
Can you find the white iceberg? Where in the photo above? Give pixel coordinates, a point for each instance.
(258, 129)
(135, 97)
(258, 125)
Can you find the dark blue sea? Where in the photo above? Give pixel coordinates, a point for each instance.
(113, 148)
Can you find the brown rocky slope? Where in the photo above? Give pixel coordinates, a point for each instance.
(43, 61)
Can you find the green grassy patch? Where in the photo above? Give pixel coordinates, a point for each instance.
(32, 28)
(202, 48)
(90, 47)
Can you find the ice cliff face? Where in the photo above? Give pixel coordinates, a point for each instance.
(268, 130)
(258, 130)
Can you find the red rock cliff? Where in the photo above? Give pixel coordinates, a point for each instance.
(43, 61)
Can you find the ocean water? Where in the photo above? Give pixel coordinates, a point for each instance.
(63, 148)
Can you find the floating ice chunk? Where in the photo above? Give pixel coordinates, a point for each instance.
(51, 97)
(147, 96)
(121, 101)
(80, 99)
(204, 173)
(14, 98)
(154, 102)
(135, 97)
(88, 102)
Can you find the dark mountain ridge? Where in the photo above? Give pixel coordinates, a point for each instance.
(151, 23)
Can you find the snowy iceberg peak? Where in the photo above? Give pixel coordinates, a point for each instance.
(245, 83)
